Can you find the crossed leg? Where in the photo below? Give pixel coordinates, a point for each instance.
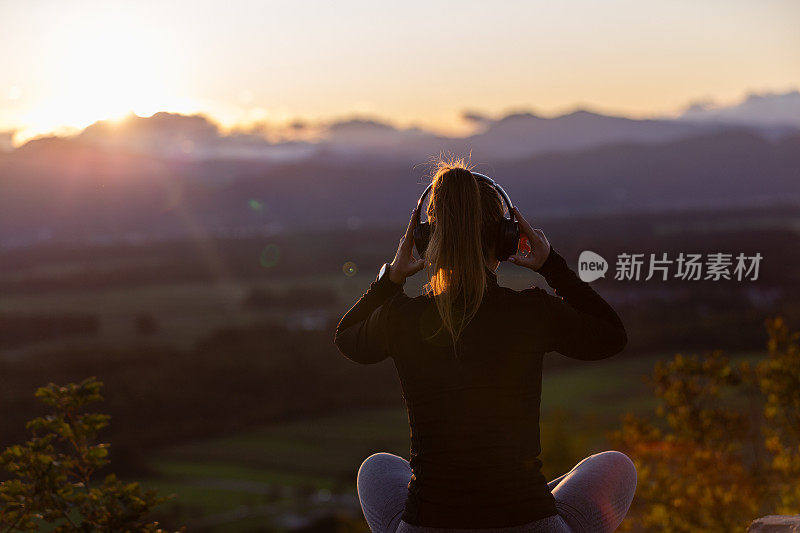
(382, 490)
(593, 497)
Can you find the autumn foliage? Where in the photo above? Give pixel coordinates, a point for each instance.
(50, 479)
(724, 445)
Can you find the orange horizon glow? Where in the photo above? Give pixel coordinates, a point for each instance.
(68, 65)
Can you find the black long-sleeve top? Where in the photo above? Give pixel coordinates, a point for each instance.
(473, 412)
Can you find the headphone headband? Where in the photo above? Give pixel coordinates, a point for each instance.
(508, 230)
(476, 175)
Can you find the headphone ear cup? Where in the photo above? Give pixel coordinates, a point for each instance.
(513, 241)
(508, 239)
(422, 235)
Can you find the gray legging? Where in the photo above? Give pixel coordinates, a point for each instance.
(593, 497)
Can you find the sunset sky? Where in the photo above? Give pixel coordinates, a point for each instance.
(68, 64)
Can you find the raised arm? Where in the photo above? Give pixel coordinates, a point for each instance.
(363, 332)
(579, 323)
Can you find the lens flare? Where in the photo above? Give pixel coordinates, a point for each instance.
(270, 255)
(349, 269)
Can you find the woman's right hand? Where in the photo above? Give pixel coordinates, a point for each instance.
(540, 247)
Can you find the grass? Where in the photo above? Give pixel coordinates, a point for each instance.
(286, 463)
(242, 481)
(271, 471)
(184, 312)
(277, 469)
(321, 449)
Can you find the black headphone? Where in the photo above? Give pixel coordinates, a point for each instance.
(508, 231)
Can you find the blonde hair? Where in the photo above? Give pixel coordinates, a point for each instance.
(464, 213)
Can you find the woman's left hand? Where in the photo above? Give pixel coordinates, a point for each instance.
(404, 263)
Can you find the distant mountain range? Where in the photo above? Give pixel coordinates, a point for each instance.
(172, 175)
(771, 110)
(513, 136)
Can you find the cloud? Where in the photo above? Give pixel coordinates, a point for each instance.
(516, 135)
(7, 140)
(756, 109)
(475, 117)
(371, 133)
(187, 136)
(163, 132)
(198, 137)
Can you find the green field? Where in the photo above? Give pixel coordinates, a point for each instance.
(271, 477)
(292, 468)
(184, 312)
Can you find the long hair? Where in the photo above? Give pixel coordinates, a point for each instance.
(465, 214)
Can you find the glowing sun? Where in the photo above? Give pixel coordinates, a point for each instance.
(106, 67)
